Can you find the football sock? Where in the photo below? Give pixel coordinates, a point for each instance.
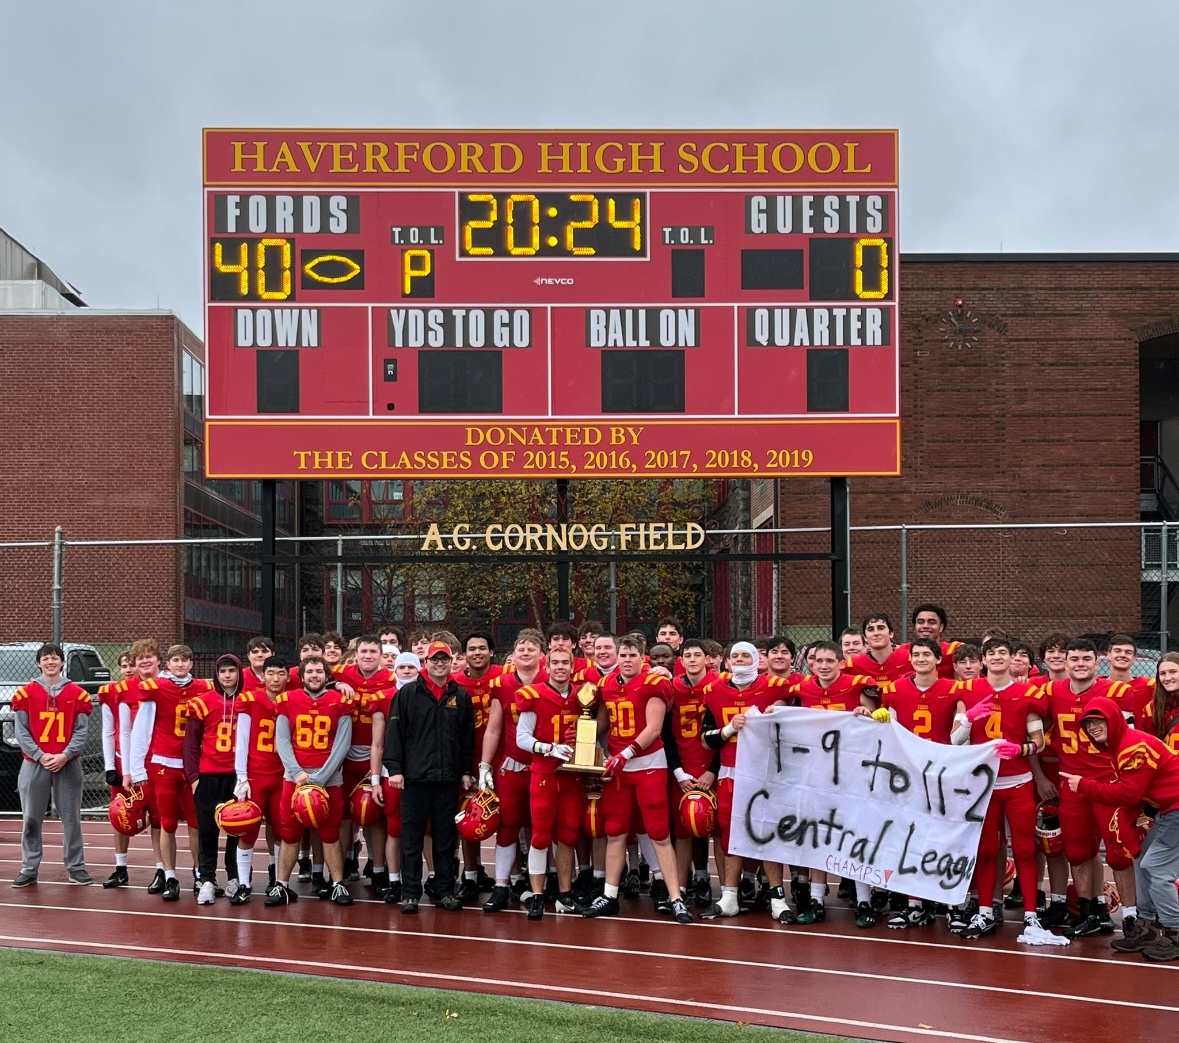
(1030, 917)
(245, 865)
(1102, 900)
(395, 878)
(121, 861)
(505, 855)
(819, 893)
(701, 874)
(1059, 898)
(599, 874)
(648, 850)
(987, 912)
(914, 903)
(632, 856)
(1129, 910)
(610, 891)
(863, 892)
(470, 874)
(159, 865)
(169, 874)
(746, 875)
(317, 867)
(538, 860)
(381, 869)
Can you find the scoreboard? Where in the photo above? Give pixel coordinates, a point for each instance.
(468, 304)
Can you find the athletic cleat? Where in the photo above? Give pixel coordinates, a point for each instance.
(880, 901)
(231, 887)
(156, 887)
(660, 896)
(172, 890)
(816, 912)
(241, 896)
(583, 886)
(980, 926)
(761, 900)
(485, 882)
(679, 909)
(1056, 915)
(746, 891)
(536, 907)
(631, 886)
(271, 876)
(118, 878)
(280, 894)
(551, 886)
(519, 889)
(567, 903)
(392, 895)
(1085, 927)
(1015, 899)
(500, 899)
(913, 916)
(469, 892)
(727, 906)
(320, 886)
(644, 874)
(341, 895)
(780, 910)
(865, 916)
(1107, 924)
(847, 889)
(702, 892)
(351, 869)
(603, 906)
(304, 870)
(380, 883)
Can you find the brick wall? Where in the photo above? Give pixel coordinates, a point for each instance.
(1038, 421)
(91, 441)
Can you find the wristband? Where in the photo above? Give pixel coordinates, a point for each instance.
(374, 780)
(631, 751)
(728, 731)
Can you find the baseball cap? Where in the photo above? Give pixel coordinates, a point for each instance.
(436, 648)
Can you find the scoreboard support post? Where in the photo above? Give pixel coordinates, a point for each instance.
(269, 533)
(840, 557)
(563, 613)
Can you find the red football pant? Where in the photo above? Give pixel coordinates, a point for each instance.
(292, 828)
(266, 792)
(169, 798)
(392, 810)
(556, 801)
(648, 790)
(512, 789)
(1018, 807)
(1078, 823)
(724, 810)
(355, 772)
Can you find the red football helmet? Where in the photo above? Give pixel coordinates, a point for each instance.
(310, 805)
(593, 823)
(478, 815)
(1009, 872)
(698, 813)
(128, 811)
(235, 818)
(365, 810)
(1049, 835)
(1113, 900)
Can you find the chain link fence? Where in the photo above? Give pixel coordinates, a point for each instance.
(96, 596)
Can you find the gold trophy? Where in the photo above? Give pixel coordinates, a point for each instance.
(587, 754)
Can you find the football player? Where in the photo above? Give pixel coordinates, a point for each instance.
(313, 732)
(510, 776)
(259, 771)
(112, 756)
(883, 660)
(851, 643)
(158, 733)
(634, 702)
(929, 621)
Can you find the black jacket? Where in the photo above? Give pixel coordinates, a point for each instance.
(428, 739)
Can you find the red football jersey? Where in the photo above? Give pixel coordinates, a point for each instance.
(503, 690)
(171, 701)
(1138, 701)
(313, 722)
(945, 665)
(626, 703)
(262, 759)
(556, 715)
(1169, 735)
(841, 694)
(895, 667)
(51, 717)
(1009, 721)
(369, 692)
(928, 713)
(219, 715)
(687, 721)
(1078, 756)
(251, 682)
(479, 689)
(723, 701)
(108, 697)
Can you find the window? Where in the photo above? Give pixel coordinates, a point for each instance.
(386, 501)
(193, 384)
(388, 600)
(193, 458)
(343, 501)
(429, 600)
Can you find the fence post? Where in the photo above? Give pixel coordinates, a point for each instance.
(56, 604)
(904, 584)
(340, 586)
(613, 589)
(1164, 594)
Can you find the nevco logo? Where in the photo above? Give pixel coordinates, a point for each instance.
(545, 280)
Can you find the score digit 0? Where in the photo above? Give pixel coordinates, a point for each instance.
(417, 273)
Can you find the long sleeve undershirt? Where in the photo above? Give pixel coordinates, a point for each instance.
(145, 722)
(241, 751)
(330, 774)
(524, 729)
(109, 730)
(125, 736)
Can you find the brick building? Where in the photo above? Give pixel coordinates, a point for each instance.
(1035, 388)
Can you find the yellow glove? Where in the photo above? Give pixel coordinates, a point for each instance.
(881, 715)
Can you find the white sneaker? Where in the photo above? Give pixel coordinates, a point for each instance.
(207, 894)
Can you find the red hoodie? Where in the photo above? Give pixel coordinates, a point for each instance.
(1146, 769)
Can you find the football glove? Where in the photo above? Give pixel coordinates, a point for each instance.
(486, 777)
(242, 790)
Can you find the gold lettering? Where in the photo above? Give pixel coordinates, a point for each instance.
(497, 150)
(558, 536)
(258, 156)
(695, 535)
(546, 160)
(404, 155)
(493, 530)
(637, 158)
(302, 454)
(471, 157)
(740, 159)
(706, 153)
(598, 538)
(655, 537)
(533, 536)
(428, 161)
(433, 539)
(284, 156)
(851, 167)
(625, 534)
(312, 161)
(776, 158)
(339, 148)
(687, 154)
(616, 165)
(459, 539)
(578, 535)
(374, 157)
(812, 157)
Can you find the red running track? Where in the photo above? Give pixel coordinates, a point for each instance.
(883, 985)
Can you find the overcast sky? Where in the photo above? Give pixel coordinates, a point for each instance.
(1029, 125)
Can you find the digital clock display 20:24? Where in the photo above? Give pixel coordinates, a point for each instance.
(553, 224)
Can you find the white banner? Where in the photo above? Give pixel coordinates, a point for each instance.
(861, 799)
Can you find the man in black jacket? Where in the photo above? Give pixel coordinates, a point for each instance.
(429, 749)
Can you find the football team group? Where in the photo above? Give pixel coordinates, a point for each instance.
(413, 749)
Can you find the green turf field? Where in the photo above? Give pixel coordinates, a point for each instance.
(90, 999)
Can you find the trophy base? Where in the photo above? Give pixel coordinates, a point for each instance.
(584, 769)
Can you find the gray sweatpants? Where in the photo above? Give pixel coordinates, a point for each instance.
(35, 784)
(1155, 871)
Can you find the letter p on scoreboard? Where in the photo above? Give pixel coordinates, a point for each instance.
(435, 303)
